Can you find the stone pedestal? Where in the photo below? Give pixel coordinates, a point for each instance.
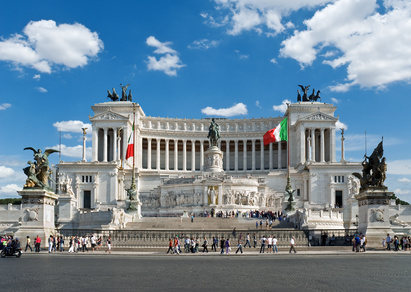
(374, 215)
(37, 215)
(213, 159)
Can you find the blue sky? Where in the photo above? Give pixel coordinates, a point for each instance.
(195, 59)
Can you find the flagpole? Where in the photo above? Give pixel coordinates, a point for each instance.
(288, 188)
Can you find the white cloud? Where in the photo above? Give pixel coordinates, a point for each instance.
(373, 46)
(258, 15)
(10, 189)
(282, 108)
(257, 103)
(334, 100)
(71, 126)
(204, 44)
(402, 192)
(36, 76)
(41, 89)
(404, 180)
(6, 172)
(273, 60)
(4, 106)
(341, 125)
(235, 110)
(46, 44)
(169, 63)
(241, 56)
(67, 136)
(162, 48)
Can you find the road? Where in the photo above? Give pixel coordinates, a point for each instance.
(281, 272)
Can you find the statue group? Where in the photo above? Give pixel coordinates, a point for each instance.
(124, 97)
(374, 169)
(305, 97)
(38, 172)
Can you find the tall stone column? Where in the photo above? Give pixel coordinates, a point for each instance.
(125, 141)
(167, 162)
(302, 146)
(175, 155)
(158, 156)
(322, 145)
(253, 154)
(332, 142)
(201, 155)
(342, 146)
(114, 144)
(236, 155)
(270, 156)
(193, 155)
(262, 154)
(313, 158)
(118, 154)
(95, 143)
(148, 153)
(105, 154)
(227, 167)
(84, 146)
(279, 155)
(244, 155)
(184, 155)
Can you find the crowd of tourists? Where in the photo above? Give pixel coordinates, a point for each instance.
(400, 244)
(224, 245)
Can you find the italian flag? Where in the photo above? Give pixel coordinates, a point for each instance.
(277, 134)
(130, 146)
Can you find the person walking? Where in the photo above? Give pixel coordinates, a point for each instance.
(255, 240)
(247, 241)
(388, 242)
(227, 246)
(205, 249)
(28, 244)
(170, 246)
(71, 244)
(50, 241)
(84, 243)
(214, 245)
(240, 245)
(292, 244)
(222, 245)
(176, 245)
(61, 244)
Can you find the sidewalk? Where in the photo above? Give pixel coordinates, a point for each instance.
(247, 252)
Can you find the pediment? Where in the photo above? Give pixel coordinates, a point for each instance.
(319, 116)
(109, 115)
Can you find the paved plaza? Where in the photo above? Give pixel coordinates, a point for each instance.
(150, 271)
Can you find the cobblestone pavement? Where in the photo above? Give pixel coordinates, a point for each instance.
(149, 271)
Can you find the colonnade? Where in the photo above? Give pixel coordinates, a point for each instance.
(317, 145)
(109, 143)
(188, 154)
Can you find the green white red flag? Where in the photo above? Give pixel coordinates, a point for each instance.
(130, 145)
(277, 134)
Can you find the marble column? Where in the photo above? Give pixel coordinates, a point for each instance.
(158, 156)
(322, 145)
(201, 155)
(114, 144)
(125, 137)
(148, 153)
(118, 154)
(167, 162)
(175, 155)
(95, 143)
(270, 156)
(262, 154)
(105, 154)
(236, 155)
(244, 155)
(253, 155)
(279, 155)
(193, 155)
(302, 145)
(184, 155)
(313, 144)
(227, 166)
(332, 142)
